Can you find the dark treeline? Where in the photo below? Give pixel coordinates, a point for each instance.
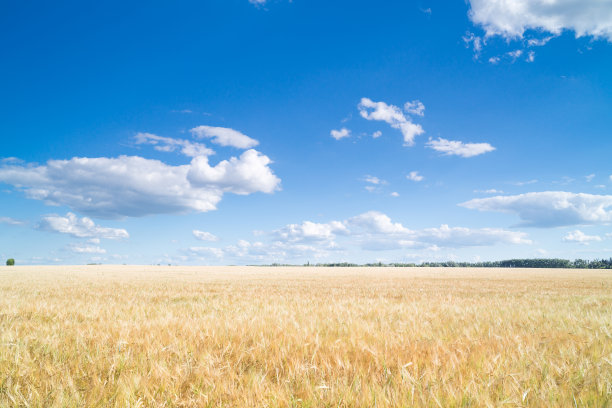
(509, 263)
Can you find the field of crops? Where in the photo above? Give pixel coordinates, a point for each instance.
(122, 336)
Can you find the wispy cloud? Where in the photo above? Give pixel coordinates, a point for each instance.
(457, 148)
(224, 136)
(204, 236)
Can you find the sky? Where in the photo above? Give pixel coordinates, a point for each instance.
(232, 132)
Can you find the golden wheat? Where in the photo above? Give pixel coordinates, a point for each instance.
(100, 336)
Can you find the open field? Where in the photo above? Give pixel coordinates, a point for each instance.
(249, 336)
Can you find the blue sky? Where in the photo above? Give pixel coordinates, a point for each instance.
(249, 132)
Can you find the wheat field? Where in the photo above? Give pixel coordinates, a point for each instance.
(129, 336)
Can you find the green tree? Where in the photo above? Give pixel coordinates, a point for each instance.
(10, 262)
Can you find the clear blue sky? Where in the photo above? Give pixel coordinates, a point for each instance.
(248, 132)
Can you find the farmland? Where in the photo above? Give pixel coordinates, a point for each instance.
(155, 336)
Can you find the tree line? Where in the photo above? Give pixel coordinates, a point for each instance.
(508, 263)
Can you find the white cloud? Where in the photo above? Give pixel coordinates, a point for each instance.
(415, 176)
(244, 175)
(80, 227)
(224, 136)
(392, 115)
(340, 134)
(311, 231)
(549, 208)
(580, 237)
(459, 236)
(457, 148)
(86, 249)
(167, 144)
(377, 134)
(512, 18)
(372, 230)
(494, 60)
(589, 178)
(373, 180)
(490, 191)
(395, 194)
(136, 186)
(377, 222)
(10, 221)
(415, 107)
(204, 236)
(207, 251)
(476, 42)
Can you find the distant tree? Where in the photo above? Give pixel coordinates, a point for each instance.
(10, 262)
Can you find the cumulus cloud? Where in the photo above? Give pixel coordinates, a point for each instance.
(168, 144)
(394, 116)
(224, 136)
(340, 134)
(549, 208)
(512, 18)
(311, 231)
(377, 134)
(373, 231)
(457, 148)
(580, 237)
(136, 186)
(415, 176)
(80, 227)
(204, 236)
(377, 222)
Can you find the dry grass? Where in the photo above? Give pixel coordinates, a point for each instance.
(239, 337)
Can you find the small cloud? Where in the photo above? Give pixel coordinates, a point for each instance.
(373, 180)
(531, 56)
(415, 107)
(395, 194)
(494, 60)
(426, 11)
(168, 144)
(377, 134)
(204, 236)
(580, 237)
(415, 176)
(391, 114)
(224, 136)
(472, 40)
(589, 178)
(340, 134)
(11, 221)
(457, 148)
(490, 191)
(86, 249)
